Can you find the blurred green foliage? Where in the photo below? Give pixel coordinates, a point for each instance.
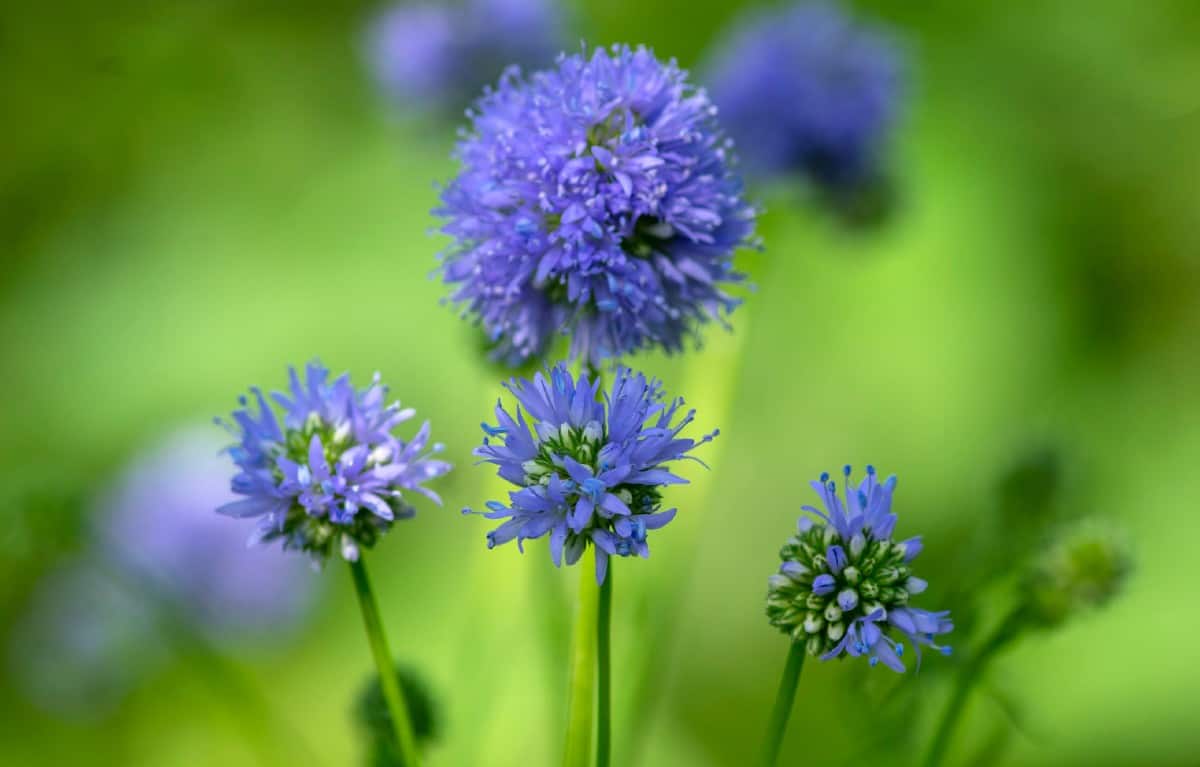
(193, 195)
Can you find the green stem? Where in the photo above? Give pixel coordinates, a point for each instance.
(604, 669)
(389, 682)
(783, 705)
(1006, 632)
(581, 700)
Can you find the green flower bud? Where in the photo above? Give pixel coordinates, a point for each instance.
(857, 544)
(1084, 567)
(815, 645)
(835, 631)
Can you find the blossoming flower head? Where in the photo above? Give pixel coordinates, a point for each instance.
(1084, 567)
(844, 585)
(806, 90)
(428, 54)
(588, 469)
(331, 473)
(596, 199)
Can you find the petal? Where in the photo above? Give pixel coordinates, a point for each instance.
(582, 514)
(558, 536)
(601, 566)
(614, 505)
(250, 507)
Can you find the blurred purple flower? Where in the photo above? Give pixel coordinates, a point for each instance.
(844, 585)
(440, 55)
(807, 90)
(82, 642)
(332, 474)
(589, 470)
(158, 527)
(596, 199)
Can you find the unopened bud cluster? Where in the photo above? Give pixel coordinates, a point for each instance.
(826, 583)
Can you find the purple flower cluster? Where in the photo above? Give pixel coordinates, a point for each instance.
(844, 584)
(158, 528)
(332, 474)
(589, 470)
(807, 90)
(598, 200)
(439, 55)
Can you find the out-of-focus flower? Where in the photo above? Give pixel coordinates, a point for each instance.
(1084, 567)
(844, 585)
(438, 55)
(806, 90)
(596, 199)
(332, 473)
(372, 713)
(157, 526)
(82, 643)
(589, 470)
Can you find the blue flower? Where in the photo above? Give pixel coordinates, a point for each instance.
(598, 200)
(589, 469)
(332, 473)
(806, 90)
(844, 585)
(82, 643)
(157, 527)
(433, 55)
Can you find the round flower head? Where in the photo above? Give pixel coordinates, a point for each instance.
(83, 642)
(438, 55)
(806, 90)
(1085, 566)
(157, 526)
(332, 473)
(596, 199)
(588, 469)
(844, 585)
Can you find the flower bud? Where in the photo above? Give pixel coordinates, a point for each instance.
(814, 645)
(1083, 568)
(857, 544)
(847, 599)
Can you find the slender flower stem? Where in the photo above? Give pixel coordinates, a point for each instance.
(972, 670)
(783, 705)
(604, 670)
(581, 700)
(389, 682)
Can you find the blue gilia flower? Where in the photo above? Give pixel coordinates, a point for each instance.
(158, 529)
(588, 469)
(806, 90)
(596, 199)
(435, 55)
(332, 473)
(844, 585)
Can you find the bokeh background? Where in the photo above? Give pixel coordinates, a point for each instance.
(194, 195)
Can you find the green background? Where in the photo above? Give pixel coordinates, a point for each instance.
(194, 195)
